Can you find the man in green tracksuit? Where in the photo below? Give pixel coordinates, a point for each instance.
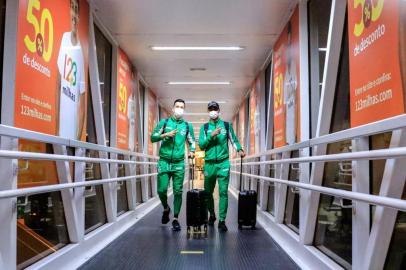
(173, 132)
(213, 139)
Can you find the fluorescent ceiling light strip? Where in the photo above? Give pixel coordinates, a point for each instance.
(199, 83)
(202, 102)
(197, 48)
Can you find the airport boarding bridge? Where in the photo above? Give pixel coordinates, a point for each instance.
(294, 110)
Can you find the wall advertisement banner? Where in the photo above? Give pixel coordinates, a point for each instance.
(286, 74)
(52, 67)
(126, 103)
(152, 121)
(377, 43)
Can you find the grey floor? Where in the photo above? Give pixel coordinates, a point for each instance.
(150, 245)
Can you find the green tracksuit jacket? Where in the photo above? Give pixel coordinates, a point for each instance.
(217, 163)
(171, 163)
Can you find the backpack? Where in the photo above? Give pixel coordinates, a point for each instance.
(166, 122)
(226, 125)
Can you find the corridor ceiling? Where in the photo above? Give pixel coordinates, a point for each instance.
(253, 24)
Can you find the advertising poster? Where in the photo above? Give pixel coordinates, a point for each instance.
(241, 124)
(286, 59)
(253, 124)
(51, 79)
(377, 42)
(52, 51)
(126, 104)
(152, 121)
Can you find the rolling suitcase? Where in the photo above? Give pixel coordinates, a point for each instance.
(247, 206)
(196, 209)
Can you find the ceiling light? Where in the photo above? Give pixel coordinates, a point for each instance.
(202, 102)
(197, 48)
(199, 83)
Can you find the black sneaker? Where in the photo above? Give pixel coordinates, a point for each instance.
(222, 226)
(212, 219)
(165, 216)
(175, 225)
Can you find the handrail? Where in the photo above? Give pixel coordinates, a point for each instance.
(55, 157)
(396, 152)
(389, 124)
(394, 203)
(58, 187)
(14, 132)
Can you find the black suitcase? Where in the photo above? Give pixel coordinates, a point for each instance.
(247, 207)
(196, 209)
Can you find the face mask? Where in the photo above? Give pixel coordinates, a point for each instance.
(178, 112)
(214, 114)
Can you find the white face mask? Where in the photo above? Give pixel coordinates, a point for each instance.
(214, 114)
(178, 112)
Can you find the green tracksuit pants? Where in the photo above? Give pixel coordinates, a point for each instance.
(217, 171)
(166, 171)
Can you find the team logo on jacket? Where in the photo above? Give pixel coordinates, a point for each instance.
(183, 132)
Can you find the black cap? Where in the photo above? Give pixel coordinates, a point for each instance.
(213, 105)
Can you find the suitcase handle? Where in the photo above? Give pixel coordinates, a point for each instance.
(192, 173)
(240, 173)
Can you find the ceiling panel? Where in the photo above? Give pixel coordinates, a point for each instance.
(139, 24)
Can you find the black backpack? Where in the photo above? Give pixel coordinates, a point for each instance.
(166, 122)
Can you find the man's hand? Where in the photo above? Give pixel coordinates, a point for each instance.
(170, 134)
(216, 132)
(241, 153)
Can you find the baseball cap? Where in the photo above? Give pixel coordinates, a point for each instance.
(213, 105)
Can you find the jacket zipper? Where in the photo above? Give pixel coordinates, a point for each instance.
(173, 144)
(215, 147)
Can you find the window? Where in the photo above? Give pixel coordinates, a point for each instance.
(104, 61)
(396, 258)
(319, 17)
(270, 169)
(41, 224)
(95, 211)
(122, 202)
(292, 200)
(334, 221)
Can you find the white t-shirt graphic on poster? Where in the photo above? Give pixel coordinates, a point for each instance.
(289, 96)
(71, 69)
(131, 121)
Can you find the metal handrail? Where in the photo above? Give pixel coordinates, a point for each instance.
(19, 133)
(396, 152)
(58, 187)
(394, 203)
(55, 157)
(389, 124)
